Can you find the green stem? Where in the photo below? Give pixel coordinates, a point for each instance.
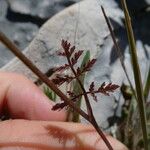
(147, 86)
(137, 75)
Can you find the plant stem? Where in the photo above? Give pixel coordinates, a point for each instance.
(100, 132)
(137, 75)
(147, 86)
(15, 50)
(76, 87)
(92, 118)
(89, 108)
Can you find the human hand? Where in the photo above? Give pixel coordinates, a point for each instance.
(34, 126)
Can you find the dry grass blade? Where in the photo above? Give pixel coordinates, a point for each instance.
(147, 86)
(137, 75)
(118, 50)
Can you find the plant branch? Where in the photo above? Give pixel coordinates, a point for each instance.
(89, 108)
(137, 75)
(147, 86)
(15, 50)
(88, 92)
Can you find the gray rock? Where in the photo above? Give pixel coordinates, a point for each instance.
(3, 9)
(87, 32)
(20, 19)
(148, 2)
(84, 26)
(19, 33)
(38, 8)
(73, 24)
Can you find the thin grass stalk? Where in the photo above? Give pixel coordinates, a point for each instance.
(137, 75)
(147, 86)
(76, 87)
(118, 50)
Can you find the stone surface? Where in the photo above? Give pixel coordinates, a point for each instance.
(21, 19)
(19, 33)
(3, 9)
(85, 31)
(84, 26)
(43, 9)
(30, 15)
(73, 24)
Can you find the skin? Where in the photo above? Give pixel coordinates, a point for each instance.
(34, 126)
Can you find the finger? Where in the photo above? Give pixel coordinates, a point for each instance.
(22, 99)
(44, 135)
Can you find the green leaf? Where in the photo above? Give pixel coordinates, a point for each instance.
(49, 93)
(77, 89)
(147, 86)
